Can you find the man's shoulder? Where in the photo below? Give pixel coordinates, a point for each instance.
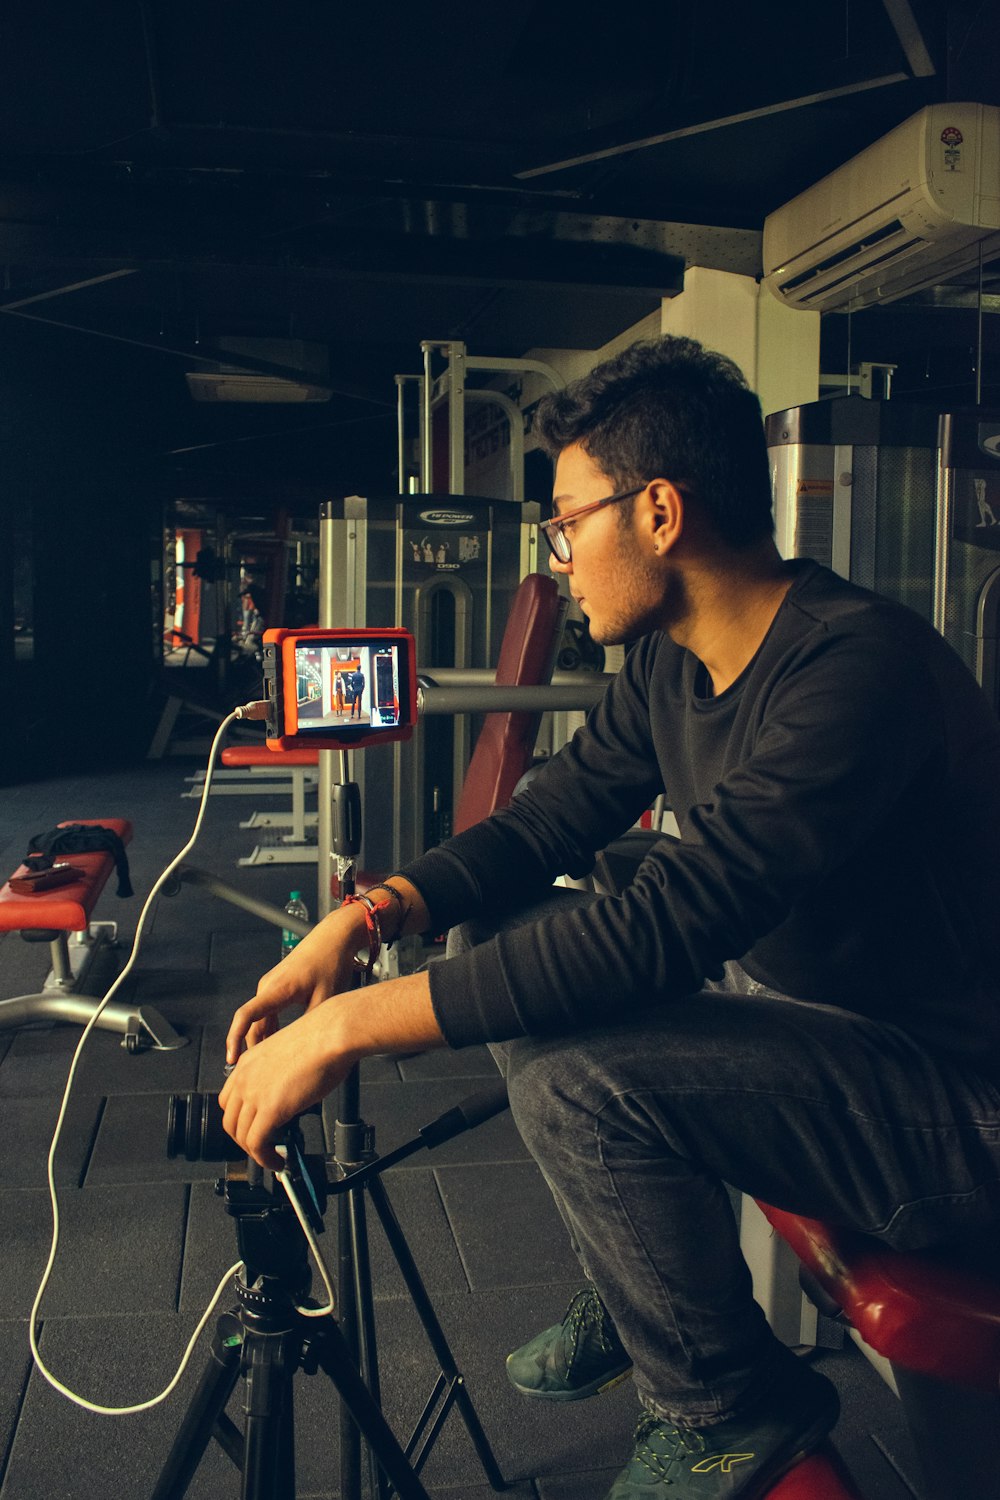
(876, 648)
(821, 601)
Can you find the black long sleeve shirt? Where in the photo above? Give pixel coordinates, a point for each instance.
(839, 807)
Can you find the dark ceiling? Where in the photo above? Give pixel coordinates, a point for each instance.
(362, 177)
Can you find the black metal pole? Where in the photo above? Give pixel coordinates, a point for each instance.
(350, 1150)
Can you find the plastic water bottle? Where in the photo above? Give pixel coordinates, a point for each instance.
(295, 907)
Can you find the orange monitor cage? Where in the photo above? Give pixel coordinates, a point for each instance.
(339, 689)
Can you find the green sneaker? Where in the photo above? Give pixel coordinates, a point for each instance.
(579, 1357)
(736, 1460)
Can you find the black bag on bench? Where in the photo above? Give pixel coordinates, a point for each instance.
(79, 838)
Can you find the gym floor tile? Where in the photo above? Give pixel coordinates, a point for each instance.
(131, 1145)
(240, 957)
(61, 1450)
(15, 1363)
(528, 1438)
(509, 1203)
(38, 1064)
(592, 1485)
(31, 1123)
(119, 1250)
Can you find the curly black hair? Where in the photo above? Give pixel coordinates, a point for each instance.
(668, 408)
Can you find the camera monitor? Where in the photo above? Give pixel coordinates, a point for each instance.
(338, 689)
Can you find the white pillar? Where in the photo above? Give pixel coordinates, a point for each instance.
(776, 348)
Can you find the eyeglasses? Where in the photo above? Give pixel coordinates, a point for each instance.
(559, 542)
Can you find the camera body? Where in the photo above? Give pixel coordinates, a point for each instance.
(339, 689)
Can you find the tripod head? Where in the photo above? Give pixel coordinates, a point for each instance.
(271, 1242)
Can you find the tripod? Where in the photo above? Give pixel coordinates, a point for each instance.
(266, 1338)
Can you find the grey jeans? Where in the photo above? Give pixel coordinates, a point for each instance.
(637, 1128)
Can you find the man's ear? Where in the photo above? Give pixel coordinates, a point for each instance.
(663, 514)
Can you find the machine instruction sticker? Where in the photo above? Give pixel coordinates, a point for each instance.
(976, 513)
(815, 487)
(443, 551)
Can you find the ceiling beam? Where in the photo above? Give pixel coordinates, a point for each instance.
(911, 39)
(700, 127)
(62, 291)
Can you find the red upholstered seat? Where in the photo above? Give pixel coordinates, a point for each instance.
(937, 1323)
(916, 1309)
(243, 756)
(506, 742)
(67, 908)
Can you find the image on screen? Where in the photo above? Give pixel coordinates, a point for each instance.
(347, 686)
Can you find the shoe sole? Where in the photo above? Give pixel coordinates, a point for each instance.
(595, 1388)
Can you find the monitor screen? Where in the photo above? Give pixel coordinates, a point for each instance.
(348, 685)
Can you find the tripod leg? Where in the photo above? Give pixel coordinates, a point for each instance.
(348, 1150)
(365, 1310)
(347, 1306)
(434, 1331)
(207, 1406)
(334, 1358)
(269, 1432)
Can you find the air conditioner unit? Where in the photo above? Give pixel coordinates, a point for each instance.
(912, 210)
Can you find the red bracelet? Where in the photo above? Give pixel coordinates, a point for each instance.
(374, 929)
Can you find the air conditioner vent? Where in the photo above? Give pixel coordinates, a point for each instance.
(861, 248)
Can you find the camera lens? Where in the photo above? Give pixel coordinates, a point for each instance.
(195, 1131)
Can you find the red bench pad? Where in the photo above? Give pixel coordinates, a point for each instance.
(67, 908)
(821, 1476)
(913, 1307)
(260, 755)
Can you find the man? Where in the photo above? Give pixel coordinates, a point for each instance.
(835, 773)
(356, 686)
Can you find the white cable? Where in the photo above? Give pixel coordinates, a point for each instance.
(127, 1411)
(122, 1411)
(307, 1230)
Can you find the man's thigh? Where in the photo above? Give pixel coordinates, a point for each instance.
(809, 1107)
(813, 1108)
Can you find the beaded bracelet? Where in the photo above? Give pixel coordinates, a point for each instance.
(397, 896)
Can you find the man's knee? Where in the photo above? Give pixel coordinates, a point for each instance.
(547, 1083)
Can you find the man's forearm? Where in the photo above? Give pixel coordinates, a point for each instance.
(395, 1015)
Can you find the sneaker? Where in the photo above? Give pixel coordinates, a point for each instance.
(742, 1457)
(579, 1357)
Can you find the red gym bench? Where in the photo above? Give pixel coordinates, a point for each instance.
(52, 916)
(255, 771)
(937, 1323)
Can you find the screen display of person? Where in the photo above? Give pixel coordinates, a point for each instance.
(343, 686)
(339, 688)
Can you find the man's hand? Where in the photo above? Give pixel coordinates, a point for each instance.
(322, 964)
(278, 1078)
(286, 1072)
